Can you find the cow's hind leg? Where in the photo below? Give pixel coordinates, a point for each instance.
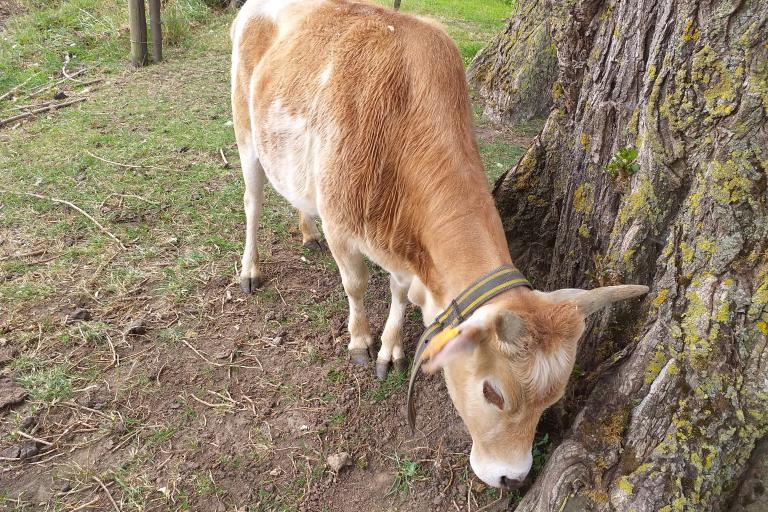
(354, 277)
(310, 236)
(253, 173)
(391, 351)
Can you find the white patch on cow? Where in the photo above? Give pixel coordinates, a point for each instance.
(325, 75)
(270, 8)
(290, 154)
(391, 28)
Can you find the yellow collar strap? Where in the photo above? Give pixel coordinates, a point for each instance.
(475, 295)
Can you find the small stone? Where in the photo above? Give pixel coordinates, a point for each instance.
(79, 315)
(437, 500)
(12, 452)
(60, 95)
(27, 423)
(278, 340)
(66, 487)
(270, 488)
(10, 393)
(269, 316)
(28, 450)
(275, 472)
(339, 461)
(136, 328)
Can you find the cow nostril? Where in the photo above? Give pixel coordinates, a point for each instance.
(511, 483)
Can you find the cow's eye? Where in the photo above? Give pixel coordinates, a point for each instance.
(493, 396)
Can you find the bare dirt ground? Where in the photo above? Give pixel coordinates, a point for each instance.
(7, 7)
(216, 401)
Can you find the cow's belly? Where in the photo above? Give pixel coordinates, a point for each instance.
(290, 154)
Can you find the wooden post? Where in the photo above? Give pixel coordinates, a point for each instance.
(157, 31)
(397, 5)
(138, 22)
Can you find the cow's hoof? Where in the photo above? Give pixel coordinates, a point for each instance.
(359, 356)
(316, 245)
(382, 369)
(249, 285)
(401, 365)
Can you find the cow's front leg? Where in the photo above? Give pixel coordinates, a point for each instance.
(354, 277)
(250, 274)
(392, 338)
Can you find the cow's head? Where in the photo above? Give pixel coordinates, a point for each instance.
(510, 361)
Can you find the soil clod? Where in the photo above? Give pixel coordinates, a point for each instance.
(79, 315)
(136, 328)
(339, 461)
(10, 393)
(28, 450)
(28, 423)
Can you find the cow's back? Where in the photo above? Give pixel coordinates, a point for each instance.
(383, 104)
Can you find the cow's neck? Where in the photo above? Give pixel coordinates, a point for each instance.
(463, 248)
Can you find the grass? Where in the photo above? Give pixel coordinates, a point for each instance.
(407, 472)
(470, 23)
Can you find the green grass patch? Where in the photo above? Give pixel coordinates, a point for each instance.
(407, 472)
(471, 24)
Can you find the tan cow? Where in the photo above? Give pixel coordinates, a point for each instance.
(360, 116)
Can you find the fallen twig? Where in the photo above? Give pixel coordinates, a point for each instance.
(71, 205)
(16, 88)
(84, 505)
(32, 438)
(26, 107)
(54, 106)
(127, 166)
(67, 58)
(44, 88)
(109, 495)
(215, 406)
(223, 157)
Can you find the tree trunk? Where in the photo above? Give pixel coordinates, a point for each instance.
(514, 74)
(673, 393)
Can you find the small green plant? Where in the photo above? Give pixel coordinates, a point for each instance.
(394, 381)
(541, 450)
(49, 385)
(623, 164)
(407, 472)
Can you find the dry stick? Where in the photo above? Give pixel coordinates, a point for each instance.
(55, 106)
(127, 166)
(44, 88)
(71, 205)
(108, 493)
(85, 505)
(215, 406)
(26, 107)
(14, 89)
(32, 438)
(226, 162)
(67, 58)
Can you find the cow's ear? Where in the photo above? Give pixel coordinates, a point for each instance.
(453, 344)
(510, 329)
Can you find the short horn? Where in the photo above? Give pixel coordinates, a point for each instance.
(594, 300)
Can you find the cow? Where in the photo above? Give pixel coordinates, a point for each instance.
(360, 116)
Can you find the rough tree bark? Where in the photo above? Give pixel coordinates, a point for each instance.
(514, 74)
(673, 393)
